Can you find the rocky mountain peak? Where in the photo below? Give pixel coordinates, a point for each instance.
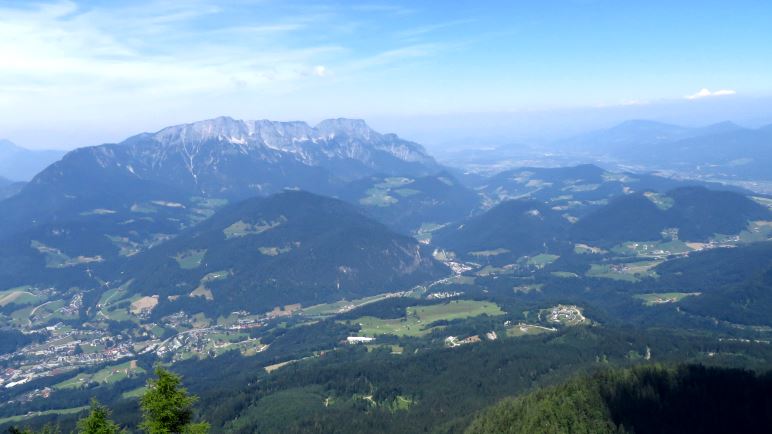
(355, 128)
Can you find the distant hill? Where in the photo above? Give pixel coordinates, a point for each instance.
(697, 214)
(293, 247)
(19, 164)
(406, 204)
(8, 189)
(577, 190)
(639, 133)
(723, 150)
(640, 400)
(507, 231)
(743, 154)
(629, 133)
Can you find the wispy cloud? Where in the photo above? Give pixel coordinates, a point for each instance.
(423, 30)
(383, 8)
(705, 93)
(62, 46)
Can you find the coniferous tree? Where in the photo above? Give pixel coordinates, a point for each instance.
(98, 421)
(167, 407)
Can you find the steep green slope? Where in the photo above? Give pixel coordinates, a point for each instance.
(640, 400)
(294, 247)
(735, 284)
(696, 213)
(406, 204)
(507, 231)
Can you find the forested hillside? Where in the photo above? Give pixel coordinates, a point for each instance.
(690, 398)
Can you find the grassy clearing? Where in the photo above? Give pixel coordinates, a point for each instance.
(628, 272)
(144, 303)
(528, 330)
(98, 211)
(652, 248)
(525, 289)
(242, 229)
(585, 249)
(19, 296)
(190, 259)
(55, 258)
(488, 253)
(126, 247)
(760, 230)
(134, 394)
(378, 197)
(418, 318)
(329, 309)
(490, 270)
(424, 233)
(542, 260)
(202, 290)
(653, 299)
(273, 250)
(107, 375)
(663, 202)
(204, 208)
(406, 192)
(564, 274)
(143, 208)
(379, 194)
(48, 311)
(23, 417)
(763, 201)
(578, 188)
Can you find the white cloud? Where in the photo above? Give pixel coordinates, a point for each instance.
(128, 65)
(704, 93)
(320, 71)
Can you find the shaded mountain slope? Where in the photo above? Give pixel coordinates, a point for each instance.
(509, 230)
(294, 247)
(696, 213)
(640, 400)
(405, 204)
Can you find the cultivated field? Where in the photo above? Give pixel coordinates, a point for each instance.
(654, 299)
(418, 319)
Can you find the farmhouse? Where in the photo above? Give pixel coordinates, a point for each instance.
(359, 339)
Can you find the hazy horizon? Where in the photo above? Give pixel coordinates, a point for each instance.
(80, 73)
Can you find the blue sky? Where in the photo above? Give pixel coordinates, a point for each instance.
(76, 73)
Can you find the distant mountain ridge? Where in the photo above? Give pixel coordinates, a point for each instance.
(20, 164)
(637, 132)
(212, 156)
(722, 150)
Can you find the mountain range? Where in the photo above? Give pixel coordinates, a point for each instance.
(723, 150)
(216, 158)
(235, 158)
